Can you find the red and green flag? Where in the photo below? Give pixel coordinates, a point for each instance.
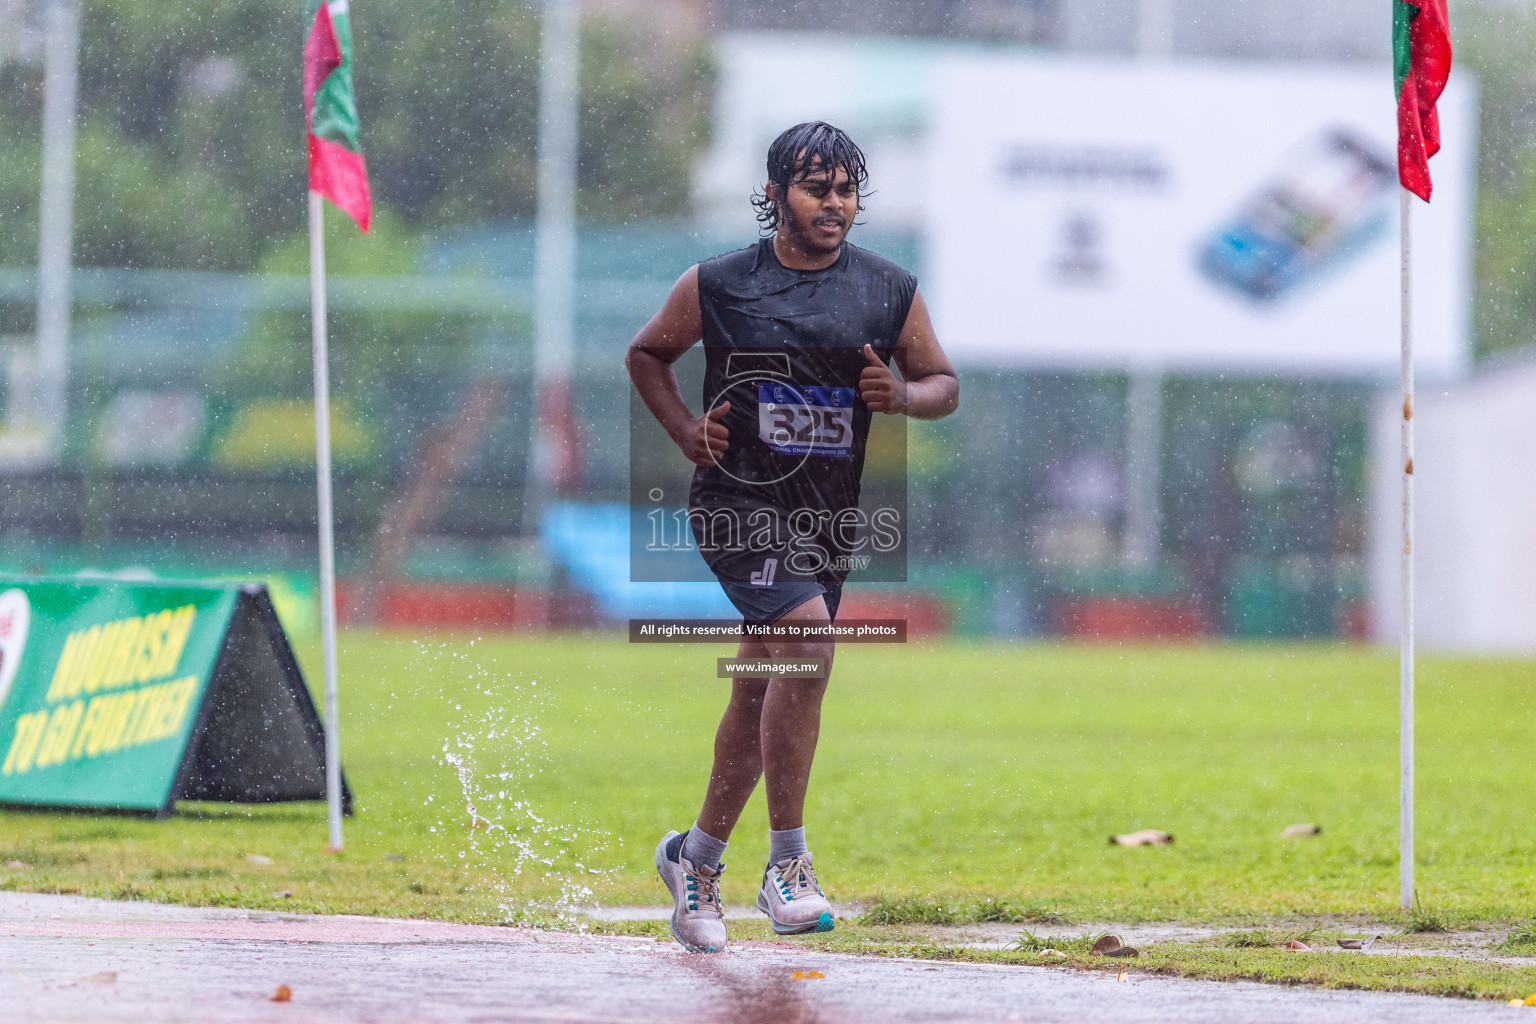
(1421, 62)
(336, 168)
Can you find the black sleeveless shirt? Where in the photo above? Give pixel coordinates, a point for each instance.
(785, 347)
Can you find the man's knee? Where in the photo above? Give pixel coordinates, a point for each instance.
(744, 687)
(806, 652)
(748, 692)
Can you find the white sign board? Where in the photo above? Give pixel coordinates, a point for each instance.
(1097, 214)
(876, 88)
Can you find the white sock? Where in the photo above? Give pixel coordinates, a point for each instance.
(702, 849)
(786, 844)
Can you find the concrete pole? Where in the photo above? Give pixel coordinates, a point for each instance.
(555, 247)
(1154, 28)
(1141, 540)
(61, 48)
(1143, 468)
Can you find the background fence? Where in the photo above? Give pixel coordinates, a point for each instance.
(190, 449)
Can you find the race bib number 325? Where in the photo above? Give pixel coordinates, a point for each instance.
(795, 420)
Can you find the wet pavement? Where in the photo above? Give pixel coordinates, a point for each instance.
(65, 958)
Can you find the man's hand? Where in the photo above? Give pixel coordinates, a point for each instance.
(706, 438)
(879, 388)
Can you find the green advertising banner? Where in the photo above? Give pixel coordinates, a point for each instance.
(130, 695)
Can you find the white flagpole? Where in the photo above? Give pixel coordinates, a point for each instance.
(1405, 666)
(323, 490)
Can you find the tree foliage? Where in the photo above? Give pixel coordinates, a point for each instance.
(1495, 43)
(191, 149)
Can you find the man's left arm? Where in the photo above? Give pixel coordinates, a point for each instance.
(928, 388)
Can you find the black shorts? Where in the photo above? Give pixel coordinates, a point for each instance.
(760, 604)
(767, 583)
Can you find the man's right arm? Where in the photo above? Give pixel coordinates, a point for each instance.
(671, 332)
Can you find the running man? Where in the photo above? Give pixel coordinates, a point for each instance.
(799, 331)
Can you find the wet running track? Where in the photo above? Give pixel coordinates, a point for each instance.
(65, 958)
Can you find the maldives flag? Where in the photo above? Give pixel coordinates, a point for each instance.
(336, 168)
(1421, 62)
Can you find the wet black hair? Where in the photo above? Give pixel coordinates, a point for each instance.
(793, 155)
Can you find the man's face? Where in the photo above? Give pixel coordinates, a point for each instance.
(818, 209)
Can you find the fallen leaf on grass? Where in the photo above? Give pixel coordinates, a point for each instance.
(283, 894)
(1146, 837)
(256, 858)
(282, 995)
(1299, 946)
(1105, 944)
(1054, 954)
(1124, 951)
(104, 978)
(1351, 944)
(394, 856)
(1307, 829)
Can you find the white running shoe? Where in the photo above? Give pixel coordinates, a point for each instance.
(791, 898)
(698, 924)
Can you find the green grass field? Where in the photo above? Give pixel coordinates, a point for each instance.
(948, 776)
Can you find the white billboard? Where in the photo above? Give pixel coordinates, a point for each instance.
(877, 88)
(1108, 214)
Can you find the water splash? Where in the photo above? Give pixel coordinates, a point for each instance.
(494, 754)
